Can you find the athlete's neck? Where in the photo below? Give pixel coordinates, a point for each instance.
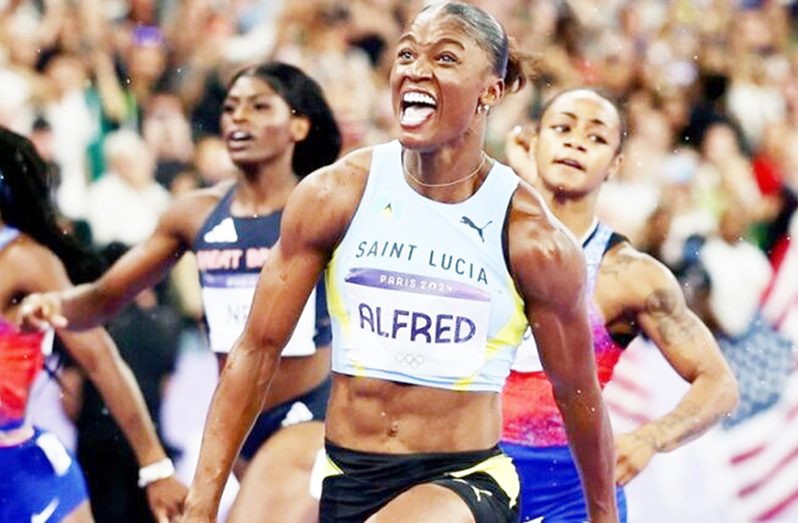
(578, 214)
(265, 189)
(439, 170)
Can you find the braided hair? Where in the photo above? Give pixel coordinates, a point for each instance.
(25, 204)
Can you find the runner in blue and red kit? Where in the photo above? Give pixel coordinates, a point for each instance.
(41, 480)
(576, 147)
(40, 476)
(534, 433)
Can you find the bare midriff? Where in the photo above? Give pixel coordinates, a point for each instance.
(373, 415)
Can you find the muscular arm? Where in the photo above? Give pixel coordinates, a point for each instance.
(550, 272)
(660, 311)
(93, 304)
(314, 219)
(96, 353)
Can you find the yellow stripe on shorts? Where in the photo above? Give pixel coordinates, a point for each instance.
(330, 468)
(502, 470)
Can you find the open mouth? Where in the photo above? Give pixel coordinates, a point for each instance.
(239, 139)
(416, 108)
(568, 162)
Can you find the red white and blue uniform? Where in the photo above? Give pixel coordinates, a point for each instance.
(534, 432)
(41, 481)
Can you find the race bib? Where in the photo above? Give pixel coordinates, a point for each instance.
(227, 300)
(416, 324)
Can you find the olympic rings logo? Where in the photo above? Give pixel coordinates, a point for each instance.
(411, 360)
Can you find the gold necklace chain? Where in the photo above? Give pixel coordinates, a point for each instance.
(447, 184)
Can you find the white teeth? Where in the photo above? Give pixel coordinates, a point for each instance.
(239, 135)
(416, 97)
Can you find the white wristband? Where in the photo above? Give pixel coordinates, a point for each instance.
(156, 471)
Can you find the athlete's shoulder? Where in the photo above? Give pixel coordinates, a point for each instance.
(324, 202)
(205, 197)
(528, 204)
(533, 225)
(623, 256)
(23, 248)
(31, 262)
(545, 258)
(339, 184)
(636, 273)
(188, 212)
(348, 171)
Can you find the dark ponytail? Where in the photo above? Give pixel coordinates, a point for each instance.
(521, 67)
(25, 205)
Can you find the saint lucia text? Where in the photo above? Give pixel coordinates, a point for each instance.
(407, 252)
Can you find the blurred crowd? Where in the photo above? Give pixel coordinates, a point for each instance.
(123, 97)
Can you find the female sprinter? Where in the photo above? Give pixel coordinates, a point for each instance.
(278, 128)
(41, 479)
(436, 257)
(577, 147)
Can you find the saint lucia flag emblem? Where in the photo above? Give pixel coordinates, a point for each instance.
(387, 207)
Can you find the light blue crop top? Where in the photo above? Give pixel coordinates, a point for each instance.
(419, 291)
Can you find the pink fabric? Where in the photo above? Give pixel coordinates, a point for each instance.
(21, 358)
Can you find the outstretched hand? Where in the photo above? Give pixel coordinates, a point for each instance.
(41, 312)
(633, 452)
(518, 151)
(166, 498)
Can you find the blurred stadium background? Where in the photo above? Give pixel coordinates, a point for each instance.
(123, 99)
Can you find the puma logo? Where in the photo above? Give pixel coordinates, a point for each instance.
(466, 220)
(478, 492)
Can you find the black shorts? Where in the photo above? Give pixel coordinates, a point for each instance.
(311, 406)
(358, 484)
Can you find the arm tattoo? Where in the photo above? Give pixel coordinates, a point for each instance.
(670, 314)
(678, 427)
(619, 266)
